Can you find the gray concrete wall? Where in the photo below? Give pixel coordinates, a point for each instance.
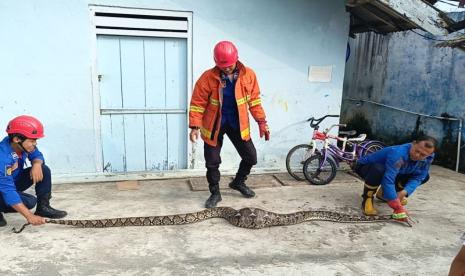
(406, 71)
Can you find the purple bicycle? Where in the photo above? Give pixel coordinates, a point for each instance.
(321, 168)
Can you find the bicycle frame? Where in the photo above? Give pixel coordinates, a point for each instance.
(317, 135)
(327, 159)
(341, 155)
(322, 136)
(331, 151)
(337, 154)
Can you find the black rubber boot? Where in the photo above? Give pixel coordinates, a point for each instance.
(2, 220)
(215, 196)
(45, 210)
(213, 200)
(238, 184)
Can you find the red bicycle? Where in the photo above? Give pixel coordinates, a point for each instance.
(321, 168)
(297, 156)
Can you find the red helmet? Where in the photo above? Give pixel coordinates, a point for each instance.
(225, 54)
(27, 126)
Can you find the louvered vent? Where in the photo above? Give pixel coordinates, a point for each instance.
(140, 22)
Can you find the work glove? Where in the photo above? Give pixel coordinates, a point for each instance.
(399, 214)
(264, 130)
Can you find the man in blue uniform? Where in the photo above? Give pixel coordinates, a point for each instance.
(399, 170)
(20, 144)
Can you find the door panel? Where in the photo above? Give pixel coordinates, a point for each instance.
(175, 66)
(143, 93)
(134, 140)
(132, 72)
(156, 135)
(113, 146)
(109, 70)
(176, 143)
(155, 73)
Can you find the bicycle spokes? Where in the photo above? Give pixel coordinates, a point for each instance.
(318, 170)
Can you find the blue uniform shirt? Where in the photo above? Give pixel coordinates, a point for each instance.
(396, 160)
(11, 166)
(229, 112)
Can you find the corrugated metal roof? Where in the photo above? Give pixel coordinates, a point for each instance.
(454, 43)
(386, 16)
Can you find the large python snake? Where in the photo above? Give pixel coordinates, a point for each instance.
(253, 218)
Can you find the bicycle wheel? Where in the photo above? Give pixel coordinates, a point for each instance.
(295, 160)
(372, 147)
(319, 175)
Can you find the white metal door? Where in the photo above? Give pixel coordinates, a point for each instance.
(143, 102)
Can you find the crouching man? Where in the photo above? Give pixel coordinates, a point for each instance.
(20, 144)
(399, 170)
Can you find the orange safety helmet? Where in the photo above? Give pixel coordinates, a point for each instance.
(26, 126)
(225, 54)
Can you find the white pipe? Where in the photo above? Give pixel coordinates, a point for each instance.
(425, 115)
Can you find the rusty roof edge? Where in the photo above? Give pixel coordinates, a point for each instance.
(437, 26)
(433, 21)
(458, 42)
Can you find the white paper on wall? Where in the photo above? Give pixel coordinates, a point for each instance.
(320, 73)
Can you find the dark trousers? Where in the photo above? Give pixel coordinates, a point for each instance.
(23, 182)
(246, 150)
(374, 173)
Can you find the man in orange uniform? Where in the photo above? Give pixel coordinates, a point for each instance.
(220, 103)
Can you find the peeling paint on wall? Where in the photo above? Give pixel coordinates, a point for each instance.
(281, 103)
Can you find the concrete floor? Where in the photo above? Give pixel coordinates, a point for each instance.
(214, 247)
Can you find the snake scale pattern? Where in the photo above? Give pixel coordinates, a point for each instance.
(253, 218)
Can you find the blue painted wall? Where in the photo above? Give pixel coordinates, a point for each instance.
(406, 71)
(46, 67)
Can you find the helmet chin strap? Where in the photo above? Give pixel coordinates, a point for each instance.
(20, 144)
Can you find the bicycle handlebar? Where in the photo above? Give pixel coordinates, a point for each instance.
(315, 122)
